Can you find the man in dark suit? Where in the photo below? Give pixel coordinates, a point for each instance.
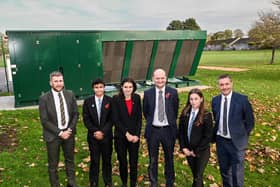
(59, 114)
(234, 119)
(160, 107)
(98, 120)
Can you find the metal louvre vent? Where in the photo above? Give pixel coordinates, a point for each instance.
(113, 58)
(140, 59)
(164, 55)
(186, 57)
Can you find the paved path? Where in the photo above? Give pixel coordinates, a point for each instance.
(222, 68)
(3, 81)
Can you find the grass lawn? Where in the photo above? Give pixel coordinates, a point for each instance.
(1, 61)
(24, 161)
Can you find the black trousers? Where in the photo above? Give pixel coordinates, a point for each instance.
(122, 147)
(161, 136)
(100, 149)
(53, 149)
(198, 165)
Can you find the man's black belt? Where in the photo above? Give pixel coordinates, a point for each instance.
(160, 127)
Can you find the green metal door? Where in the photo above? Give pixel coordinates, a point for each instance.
(46, 59)
(69, 60)
(80, 60)
(90, 54)
(34, 57)
(23, 65)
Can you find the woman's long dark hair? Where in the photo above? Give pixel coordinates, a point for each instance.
(188, 106)
(130, 80)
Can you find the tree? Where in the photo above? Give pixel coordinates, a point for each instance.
(175, 25)
(238, 33)
(188, 24)
(266, 32)
(3, 44)
(220, 35)
(228, 34)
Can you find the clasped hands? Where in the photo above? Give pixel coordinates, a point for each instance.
(66, 134)
(131, 138)
(99, 135)
(187, 152)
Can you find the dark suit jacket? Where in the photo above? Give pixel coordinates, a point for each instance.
(240, 118)
(48, 114)
(90, 116)
(171, 109)
(123, 122)
(200, 135)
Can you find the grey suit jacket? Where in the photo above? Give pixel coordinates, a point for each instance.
(48, 114)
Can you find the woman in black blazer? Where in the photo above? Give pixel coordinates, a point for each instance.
(195, 132)
(127, 116)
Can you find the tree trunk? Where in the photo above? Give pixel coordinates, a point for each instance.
(272, 55)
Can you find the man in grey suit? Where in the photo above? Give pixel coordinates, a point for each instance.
(234, 119)
(59, 114)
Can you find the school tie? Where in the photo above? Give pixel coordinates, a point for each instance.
(160, 107)
(99, 109)
(225, 118)
(190, 126)
(62, 111)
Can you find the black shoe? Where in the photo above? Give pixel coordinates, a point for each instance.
(69, 185)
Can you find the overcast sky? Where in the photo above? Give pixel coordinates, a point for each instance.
(211, 15)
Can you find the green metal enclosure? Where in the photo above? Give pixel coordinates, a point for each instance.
(83, 56)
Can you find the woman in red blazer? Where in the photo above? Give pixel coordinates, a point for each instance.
(127, 116)
(195, 132)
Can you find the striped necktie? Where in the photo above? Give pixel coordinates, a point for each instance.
(62, 111)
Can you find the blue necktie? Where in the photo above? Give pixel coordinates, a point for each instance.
(190, 125)
(99, 109)
(225, 118)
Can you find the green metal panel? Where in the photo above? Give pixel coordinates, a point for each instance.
(153, 57)
(197, 57)
(32, 56)
(46, 58)
(69, 60)
(90, 64)
(175, 58)
(23, 54)
(152, 35)
(80, 61)
(127, 58)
